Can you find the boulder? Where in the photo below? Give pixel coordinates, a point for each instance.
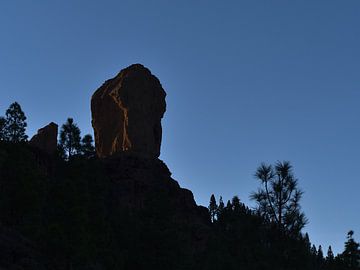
(127, 112)
(46, 138)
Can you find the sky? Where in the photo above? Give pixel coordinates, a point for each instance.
(246, 81)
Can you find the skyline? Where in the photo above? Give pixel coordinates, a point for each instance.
(246, 83)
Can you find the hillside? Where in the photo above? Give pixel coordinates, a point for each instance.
(64, 205)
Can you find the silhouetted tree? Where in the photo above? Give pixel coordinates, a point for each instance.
(330, 256)
(351, 254)
(235, 201)
(313, 251)
(278, 198)
(212, 208)
(2, 128)
(320, 257)
(228, 205)
(15, 124)
(70, 138)
(220, 208)
(87, 147)
(307, 242)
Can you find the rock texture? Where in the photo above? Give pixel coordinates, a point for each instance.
(126, 113)
(46, 138)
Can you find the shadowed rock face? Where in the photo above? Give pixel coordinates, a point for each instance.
(46, 138)
(126, 113)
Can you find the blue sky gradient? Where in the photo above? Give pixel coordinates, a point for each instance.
(246, 82)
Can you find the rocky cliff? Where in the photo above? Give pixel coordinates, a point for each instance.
(120, 210)
(126, 117)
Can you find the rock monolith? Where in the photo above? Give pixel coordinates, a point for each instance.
(127, 112)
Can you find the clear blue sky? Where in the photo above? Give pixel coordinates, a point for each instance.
(247, 81)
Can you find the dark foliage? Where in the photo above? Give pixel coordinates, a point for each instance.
(70, 139)
(351, 254)
(245, 240)
(69, 214)
(212, 208)
(87, 146)
(67, 211)
(279, 196)
(14, 127)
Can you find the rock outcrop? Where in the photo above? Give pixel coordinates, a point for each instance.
(125, 204)
(145, 188)
(126, 113)
(46, 138)
(138, 182)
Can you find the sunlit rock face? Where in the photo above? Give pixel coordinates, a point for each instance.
(126, 113)
(46, 138)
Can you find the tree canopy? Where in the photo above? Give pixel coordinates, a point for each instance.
(279, 196)
(87, 146)
(14, 128)
(70, 138)
(351, 254)
(212, 208)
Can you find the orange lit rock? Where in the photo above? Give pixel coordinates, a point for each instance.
(126, 113)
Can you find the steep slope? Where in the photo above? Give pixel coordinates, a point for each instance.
(121, 212)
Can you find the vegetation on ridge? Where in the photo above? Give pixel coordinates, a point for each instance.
(65, 209)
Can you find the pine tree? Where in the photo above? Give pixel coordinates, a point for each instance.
(212, 208)
(87, 147)
(236, 203)
(351, 255)
(278, 198)
(313, 251)
(307, 242)
(2, 128)
(228, 205)
(330, 255)
(220, 208)
(70, 138)
(330, 258)
(15, 124)
(320, 256)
